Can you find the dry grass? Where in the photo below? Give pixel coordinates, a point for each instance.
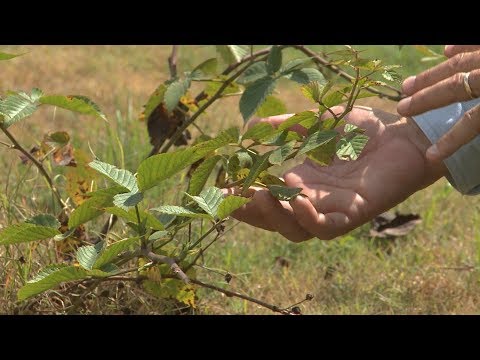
(432, 270)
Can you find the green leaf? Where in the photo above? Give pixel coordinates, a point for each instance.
(280, 138)
(254, 96)
(131, 215)
(324, 154)
(6, 56)
(272, 106)
(16, 107)
(155, 169)
(260, 164)
(230, 204)
(208, 200)
(181, 211)
(278, 156)
(206, 68)
(284, 193)
(154, 100)
(274, 59)
(231, 53)
(313, 91)
(174, 92)
(112, 251)
(213, 86)
(58, 137)
(292, 65)
(121, 176)
(86, 256)
(306, 76)
(353, 128)
(26, 232)
(238, 161)
(392, 75)
(54, 275)
(201, 174)
(350, 148)
(331, 100)
(76, 103)
(317, 139)
(254, 72)
(127, 200)
(297, 119)
(259, 131)
(93, 207)
(44, 220)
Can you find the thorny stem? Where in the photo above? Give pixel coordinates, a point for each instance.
(17, 146)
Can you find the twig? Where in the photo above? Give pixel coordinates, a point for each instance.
(273, 308)
(325, 63)
(172, 62)
(17, 146)
(169, 261)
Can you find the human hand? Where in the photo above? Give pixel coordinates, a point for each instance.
(347, 194)
(443, 85)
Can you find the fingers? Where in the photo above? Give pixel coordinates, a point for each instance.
(463, 62)
(272, 120)
(441, 94)
(452, 50)
(324, 226)
(465, 130)
(266, 212)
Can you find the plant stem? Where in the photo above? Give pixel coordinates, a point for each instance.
(17, 146)
(172, 62)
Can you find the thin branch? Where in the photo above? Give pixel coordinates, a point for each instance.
(39, 166)
(172, 62)
(325, 63)
(229, 293)
(169, 261)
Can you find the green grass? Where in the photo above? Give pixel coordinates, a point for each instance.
(432, 270)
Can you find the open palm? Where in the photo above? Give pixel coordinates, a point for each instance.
(347, 194)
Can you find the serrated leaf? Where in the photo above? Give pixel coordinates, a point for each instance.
(121, 176)
(155, 169)
(292, 65)
(44, 220)
(174, 92)
(127, 200)
(201, 174)
(259, 131)
(284, 193)
(230, 204)
(324, 154)
(77, 103)
(330, 100)
(317, 139)
(254, 96)
(297, 119)
(313, 90)
(16, 107)
(208, 200)
(58, 137)
(131, 215)
(53, 276)
(268, 179)
(6, 56)
(274, 59)
(112, 251)
(350, 148)
(278, 156)
(254, 72)
(392, 75)
(93, 207)
(353, 128)
(206, 68)
(240, 160)
(231, 53)
(155, 99)
(306, 76)
(260, 164)
(280, 138)
(181, 211)
(272, 106)
(86, 256)
(26, 232)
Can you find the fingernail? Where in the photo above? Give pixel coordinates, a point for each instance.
(447, 50)
(432, 152)
(404, 105)
(408, 85)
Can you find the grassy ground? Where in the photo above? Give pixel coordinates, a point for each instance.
(432, 270)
